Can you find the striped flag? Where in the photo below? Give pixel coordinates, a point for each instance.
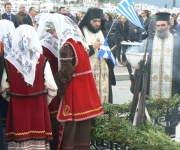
(105, 52)
(126, 8)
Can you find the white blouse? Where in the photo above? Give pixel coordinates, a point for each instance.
(49, 83)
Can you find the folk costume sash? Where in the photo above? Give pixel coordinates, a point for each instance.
(99, 66)
(161, 67)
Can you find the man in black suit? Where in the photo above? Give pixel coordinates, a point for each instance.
(29, 19)
(8, 16)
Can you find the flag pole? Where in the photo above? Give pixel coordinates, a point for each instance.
(110, 29)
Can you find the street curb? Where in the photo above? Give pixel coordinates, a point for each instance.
(122, 76)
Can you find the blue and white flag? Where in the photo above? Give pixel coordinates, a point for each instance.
(126, 8)
(105, 52)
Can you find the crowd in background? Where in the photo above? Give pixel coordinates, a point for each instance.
(124, 30)
(119, 28)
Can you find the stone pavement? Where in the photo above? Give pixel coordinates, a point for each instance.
(121, 92)
(121, 73)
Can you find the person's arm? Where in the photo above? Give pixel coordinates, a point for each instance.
(117, 34)
(18, 19)
(91, 50)
(16, 22)
(127, 33)
(64, 75)
(49, 83)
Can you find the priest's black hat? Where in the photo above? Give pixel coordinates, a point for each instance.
(93, 13)
(162, 16)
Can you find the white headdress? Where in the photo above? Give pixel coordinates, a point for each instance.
(7, 30)
(65, 28)
(45, 38)
(25, 52)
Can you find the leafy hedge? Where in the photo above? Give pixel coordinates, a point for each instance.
(113, 127)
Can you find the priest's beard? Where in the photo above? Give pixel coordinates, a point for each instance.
(162, 33)
(91, 28)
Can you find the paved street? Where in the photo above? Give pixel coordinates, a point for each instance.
(121, 92)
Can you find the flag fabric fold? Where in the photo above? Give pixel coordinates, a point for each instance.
(126, 8)
(105, 52)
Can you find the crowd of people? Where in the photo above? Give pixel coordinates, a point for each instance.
(122, 29)
(53, 83)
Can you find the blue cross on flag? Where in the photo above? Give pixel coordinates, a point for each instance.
(105, 52)
(126, 8)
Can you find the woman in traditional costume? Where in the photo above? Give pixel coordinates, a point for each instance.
(80, 101)
(50, 50)
(5, 47)
(29, 86)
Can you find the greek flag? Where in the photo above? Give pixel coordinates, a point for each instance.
(126, 8)
(105, 52)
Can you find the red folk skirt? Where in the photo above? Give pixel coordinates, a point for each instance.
(28, 118)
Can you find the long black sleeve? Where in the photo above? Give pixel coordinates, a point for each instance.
(64, 75)
(91, 50)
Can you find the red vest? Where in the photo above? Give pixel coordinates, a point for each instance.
(28, 114)
(81, 100)
(54, 105)
(20, 88)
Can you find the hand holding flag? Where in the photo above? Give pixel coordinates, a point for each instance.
(105, 52)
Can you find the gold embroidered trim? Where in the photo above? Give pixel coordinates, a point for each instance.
(29, 132)
(53, 112)
(22, 95)
(66, 111)
(82, 73)
(43, 137)
(161, 67)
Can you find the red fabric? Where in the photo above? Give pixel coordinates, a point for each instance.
(1, 48)
(81, 100)
(28, 117)
(61, 132)
(54, 105)
(52, 60)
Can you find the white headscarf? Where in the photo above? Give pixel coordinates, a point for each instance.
(7, 30)
(37, 18)
(65, 28)
(25, 52)
(45, 38)
(41, 31)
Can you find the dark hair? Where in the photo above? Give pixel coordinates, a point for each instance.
(7, 4)
(109, 15)
(172, 15)
(62, 7)
(146, 12)
(30, 9)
